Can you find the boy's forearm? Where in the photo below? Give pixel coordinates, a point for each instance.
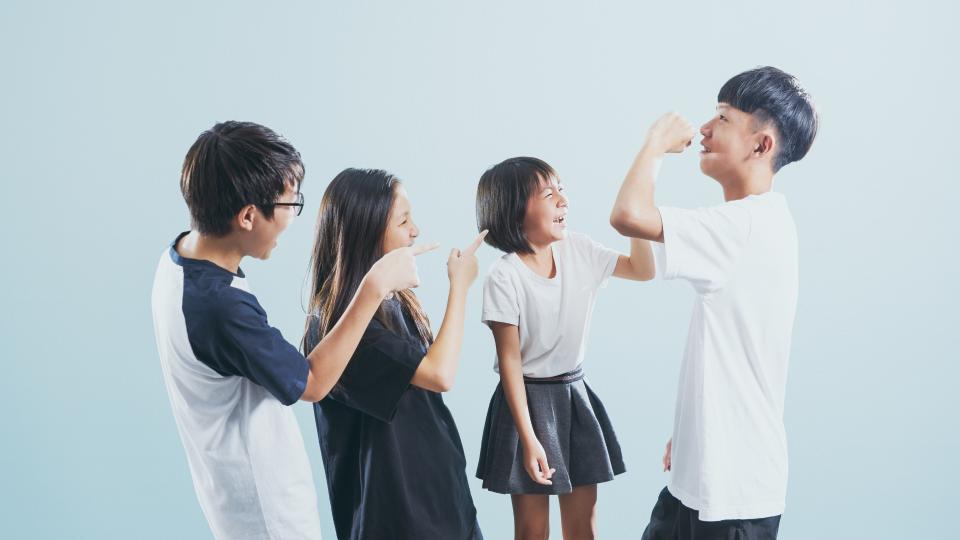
(330, 357)
(634, 213)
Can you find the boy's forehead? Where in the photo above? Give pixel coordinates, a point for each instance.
(291, 187)
(730, 110)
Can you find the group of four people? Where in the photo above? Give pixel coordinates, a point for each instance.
(375, 370)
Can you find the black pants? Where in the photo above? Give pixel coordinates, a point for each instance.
(671, 520)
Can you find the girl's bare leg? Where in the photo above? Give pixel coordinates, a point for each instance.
(531, 517)
(578, 513)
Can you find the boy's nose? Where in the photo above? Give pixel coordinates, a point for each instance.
(705, 129)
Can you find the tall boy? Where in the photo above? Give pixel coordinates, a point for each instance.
(728, 454)
(228, 373)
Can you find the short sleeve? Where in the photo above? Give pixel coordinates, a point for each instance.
(701, 246)
(379, 372)
(602, 260)
(500, 301)
(233, 337)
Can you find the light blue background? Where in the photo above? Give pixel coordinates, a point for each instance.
(100, 101)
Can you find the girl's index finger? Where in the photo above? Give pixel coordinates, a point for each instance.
(475, 245)
(420, 249)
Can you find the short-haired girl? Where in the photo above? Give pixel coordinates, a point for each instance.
(546, 431)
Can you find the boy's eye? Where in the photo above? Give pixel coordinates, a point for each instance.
(722, 117)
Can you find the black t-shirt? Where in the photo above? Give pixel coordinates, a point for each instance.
(391, 451)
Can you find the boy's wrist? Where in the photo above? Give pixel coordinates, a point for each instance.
(651, 150)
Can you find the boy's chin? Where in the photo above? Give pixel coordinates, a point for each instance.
(708, 167)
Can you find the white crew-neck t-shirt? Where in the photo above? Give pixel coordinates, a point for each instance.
(729, 458)
(552, 314)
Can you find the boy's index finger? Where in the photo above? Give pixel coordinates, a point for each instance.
(420, 249)
(475, 245)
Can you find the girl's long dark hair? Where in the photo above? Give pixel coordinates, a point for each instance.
(349, 240)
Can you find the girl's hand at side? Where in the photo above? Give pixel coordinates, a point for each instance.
(535, 462)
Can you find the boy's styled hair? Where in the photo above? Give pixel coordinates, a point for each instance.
(232, 165)
(772, 95)
(502, 200)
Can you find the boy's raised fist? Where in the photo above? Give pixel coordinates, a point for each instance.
(671, 133)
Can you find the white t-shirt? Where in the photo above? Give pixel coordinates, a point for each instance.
(553, 314)
(729, 444)
(230, 377)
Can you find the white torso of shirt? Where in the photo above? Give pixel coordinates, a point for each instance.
(246, 455)
(729, 458)
(552, 314)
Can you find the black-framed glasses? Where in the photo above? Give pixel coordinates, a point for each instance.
(298, 204)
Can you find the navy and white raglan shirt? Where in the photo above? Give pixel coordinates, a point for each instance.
(230, 377)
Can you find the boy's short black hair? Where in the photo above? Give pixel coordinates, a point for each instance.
(775, 96)
(502, 200)
(232, 165)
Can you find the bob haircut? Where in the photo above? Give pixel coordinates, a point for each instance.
(502, 200)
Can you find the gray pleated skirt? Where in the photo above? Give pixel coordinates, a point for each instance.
(572, 426)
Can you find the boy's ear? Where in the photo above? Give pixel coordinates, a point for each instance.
(764, 143)
(246, 217)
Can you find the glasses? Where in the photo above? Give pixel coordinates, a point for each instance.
(298, 204)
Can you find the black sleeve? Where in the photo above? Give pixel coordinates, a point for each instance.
(379, 372)
(233, 337)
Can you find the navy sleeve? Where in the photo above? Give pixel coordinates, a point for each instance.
(232, 336)
(379, 372)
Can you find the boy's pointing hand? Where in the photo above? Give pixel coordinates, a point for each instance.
(397, 270)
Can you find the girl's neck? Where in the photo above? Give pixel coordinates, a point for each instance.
(541, 261)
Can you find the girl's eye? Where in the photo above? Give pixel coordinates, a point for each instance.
(549, 195)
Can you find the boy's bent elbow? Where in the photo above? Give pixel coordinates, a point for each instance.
(313, 396)
(625, 221)
(617, 220)
(634, 223)
(315, 390)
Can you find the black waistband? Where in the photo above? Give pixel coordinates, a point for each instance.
(566, 378)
